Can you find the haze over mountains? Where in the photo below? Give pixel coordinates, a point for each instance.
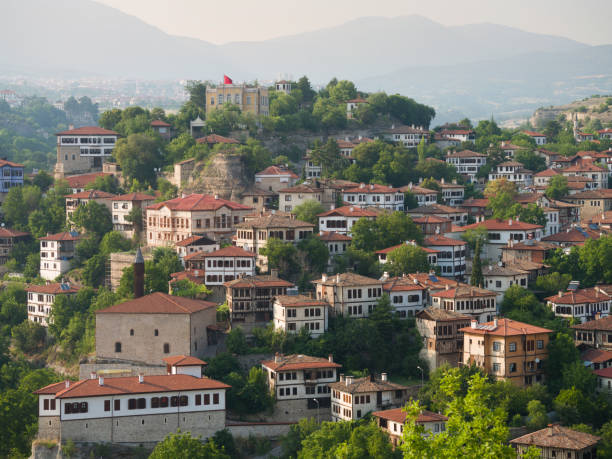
(473, 69)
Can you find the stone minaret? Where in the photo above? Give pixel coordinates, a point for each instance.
(139, 274)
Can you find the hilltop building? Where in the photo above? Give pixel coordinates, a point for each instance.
(83, 150)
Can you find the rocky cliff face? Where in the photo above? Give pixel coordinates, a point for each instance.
(223, 175)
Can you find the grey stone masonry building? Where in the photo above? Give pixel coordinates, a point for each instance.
(155, 326)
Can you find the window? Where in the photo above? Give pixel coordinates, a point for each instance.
(174, 401)
(183, 400)
(512, 368)
(132, 332)
(166, 348)
(496, 368)
(142, 403)
(107, 405)
(496, 346)
(540, 344)
(216, 399)
(46, 404)
(206, 399)
(117, 347)
(163, 402)
(155, 402)
(156, 332)
(198, 399)
(512, 347)
(117, 405)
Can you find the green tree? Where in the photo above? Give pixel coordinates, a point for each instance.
(29, 337)
(531, 213)
(572, 406)
(236, 341)
(553, 282)
(605, 446)
(502, 196)
(19, 203)
(282, 256)
(106, 183)
(139, 155)
(538, 419)
(95, 218)
(531, 161)
(42, 180)
(561, 352)
(308, 211)
(94, 270)
(189, 289)
(292, 442)
(197, 93)
(183, 446)
(389, 229)
(114, 241)
(475, 237)
(557, 187)
(477, 278)
(315, 254)
(407, 259)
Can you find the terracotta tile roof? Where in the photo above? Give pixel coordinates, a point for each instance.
(183, 361)
(267, 213)
(347, 279)
(533, 134)
(79, 181)
(196, 276)
(473, 202)
(63, 236)
(159, 303)
(505, 145)
(414, 189)
(350, 211)
(4, 162)
(436, 209)
(230, 251)
(605, 131)
(505, 327)
(537, 246)
(556, 436)
(88, 130)
(502, 225)
(299, 362)
(91, 194)
(401, 284)
(596, 356)
(547, 173)
(301, 188)
(456, 131)
(547, 152)
(195, 202)
(345, 144)
(604, 372)
(510, 164)
(329, 236)
(258, 192)
(54, 289)
(215, 138)
(299, 301)
(591, 194)
(572, 235)
(433, 281)
(584, 167)
(130, 385)
(274, 221)
(160, 123)
(258, 281)
(445, 184)
(134, 197)
(464, 291)
(603, 324)
(504, 270)
(441, 241)
(195, 240)
(465, 154)
(361, 385)
(580, 296)
(430, 219)
(6, 232)
(399, 415)
(371, 188)
(437, 314)
(277, 170)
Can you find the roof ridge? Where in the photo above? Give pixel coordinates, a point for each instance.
(171, 299)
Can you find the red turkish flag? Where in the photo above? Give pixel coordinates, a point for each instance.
(227, 80)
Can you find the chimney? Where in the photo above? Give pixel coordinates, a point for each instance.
(348, 380)
(362, 185)
(442, 180)
(341, 377)
(140, 378)
(274, 273)
(324, 277)
(139, 274)
(330, 358)
(216, 196)
(67, 384)
(383, 376)
(490, 268)
(495, 322)
(352, 209)
(101, 380)
(560, 293)
(70, 127)
(447, 287)
(277, 358)
(510, 222)
(473, 323)
(337, 278)
(93, 375)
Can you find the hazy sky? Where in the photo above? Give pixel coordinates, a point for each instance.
(223, 21)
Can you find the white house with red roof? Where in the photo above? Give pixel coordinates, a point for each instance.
(463, 135)
(300, 384)
(275, 178)
(291, 313)
(83, 150)
(184, 365)
(56, 253)
(450, 256)
(79, 182)
(587, 169)
(222, 265)
(392, 422)
(499, 233)
(172, 221)
(476, 302)
(407, 296)
(382, 196)
(195, 244)
(352, 105)
(467, 162)
(123, 205)
(75, 200)
(342, 219)
(134, 410)
(582, 304)
(41, 298)
(408, 136)
(514, 172)
(583, 136)
(424, 196)
(542, 179)
(432, 254)
(539, 138)
(605, 133)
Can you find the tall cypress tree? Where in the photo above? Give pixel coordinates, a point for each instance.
(477, 278)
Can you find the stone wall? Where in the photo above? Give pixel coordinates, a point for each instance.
(146, 430)
(110, 369)
(271, 430)
(48, 427)
(224, 175)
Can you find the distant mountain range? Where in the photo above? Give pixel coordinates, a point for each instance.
(472, 69)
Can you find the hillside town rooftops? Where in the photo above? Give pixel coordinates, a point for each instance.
(63, 236)
(195, 202)
(88, 130)
(258, 281)
(299, 362)
(159, 303)
(350, 211)
(504, 327)
(555, 436)
(91, 194)
(399, 415)
(277, 170)
(135, 197)
(367, 384)
(54, 288)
